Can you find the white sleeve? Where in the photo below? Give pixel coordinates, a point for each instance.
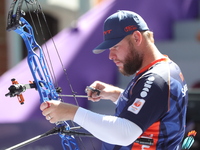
(110, 129)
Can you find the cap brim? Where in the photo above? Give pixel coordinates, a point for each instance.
(106, 45)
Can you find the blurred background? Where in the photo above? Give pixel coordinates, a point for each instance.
(76, 27)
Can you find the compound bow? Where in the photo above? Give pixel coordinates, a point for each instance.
(43, 82)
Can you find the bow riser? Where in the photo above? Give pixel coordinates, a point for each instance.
(36, 62)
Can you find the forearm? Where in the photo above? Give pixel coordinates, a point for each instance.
(110, 129)
(116, 101)
(115, 95)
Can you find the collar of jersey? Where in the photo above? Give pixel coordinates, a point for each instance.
(151, 64)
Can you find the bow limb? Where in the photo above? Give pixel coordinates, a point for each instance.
(42, 80)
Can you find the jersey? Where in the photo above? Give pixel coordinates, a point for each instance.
(156, 100)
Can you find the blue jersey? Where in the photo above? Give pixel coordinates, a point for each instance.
(156, 100)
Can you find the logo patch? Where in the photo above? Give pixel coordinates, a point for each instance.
(147, 86)
(107, 32)
(136, 106)
(130, 28)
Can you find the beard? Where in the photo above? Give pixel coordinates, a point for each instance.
(133, 61)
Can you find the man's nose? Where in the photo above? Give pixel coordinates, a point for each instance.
(111, 54)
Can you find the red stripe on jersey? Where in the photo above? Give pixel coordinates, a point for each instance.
(152, 63)
(152, 132)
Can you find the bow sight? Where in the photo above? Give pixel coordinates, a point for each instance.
(17, 89)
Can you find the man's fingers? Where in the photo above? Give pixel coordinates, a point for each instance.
(44, 105)
(94, 98)
(50, 118)
(45, 111)
(92, 92)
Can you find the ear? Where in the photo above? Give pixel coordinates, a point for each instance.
(137, 38)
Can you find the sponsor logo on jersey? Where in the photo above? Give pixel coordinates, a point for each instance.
(184, 90)
(136, 106)
(146, 147)
(147, 86)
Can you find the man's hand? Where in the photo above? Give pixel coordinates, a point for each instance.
(56, 111)
(107, 91)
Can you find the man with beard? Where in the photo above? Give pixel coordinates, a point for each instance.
(153, 106)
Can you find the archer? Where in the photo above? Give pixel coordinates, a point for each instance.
(152, 105)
